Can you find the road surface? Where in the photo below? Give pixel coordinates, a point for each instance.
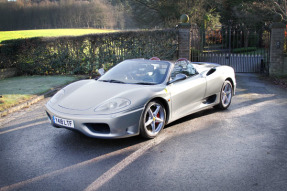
(242, 148)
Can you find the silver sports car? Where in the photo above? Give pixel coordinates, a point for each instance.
(140, 96)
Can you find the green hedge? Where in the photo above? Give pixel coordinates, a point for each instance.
(85, 54)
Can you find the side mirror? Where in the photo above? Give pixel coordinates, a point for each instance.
(178, 77)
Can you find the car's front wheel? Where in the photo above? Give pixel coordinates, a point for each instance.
(153, 119)
(225, 95)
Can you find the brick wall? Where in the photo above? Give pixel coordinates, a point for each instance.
(277, 49)
(184, 41)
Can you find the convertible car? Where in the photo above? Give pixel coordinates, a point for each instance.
(140, 96)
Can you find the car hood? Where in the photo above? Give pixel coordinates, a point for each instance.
(91, 94)
(84, 97)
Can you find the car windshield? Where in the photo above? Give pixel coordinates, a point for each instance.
(146, 72)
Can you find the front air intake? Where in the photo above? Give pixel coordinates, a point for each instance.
(98, 127)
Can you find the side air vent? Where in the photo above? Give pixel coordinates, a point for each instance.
(210, 99)
(211, 71)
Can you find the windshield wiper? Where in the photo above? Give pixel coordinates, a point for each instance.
(113, 81)
(146, 83)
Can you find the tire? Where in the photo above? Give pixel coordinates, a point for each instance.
(152, 120)
(225, 95)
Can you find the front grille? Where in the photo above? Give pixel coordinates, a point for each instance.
(98, 127)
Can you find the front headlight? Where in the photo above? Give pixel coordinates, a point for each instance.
(57, 96)
(113, 105)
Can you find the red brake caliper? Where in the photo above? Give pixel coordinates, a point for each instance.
(157, 117)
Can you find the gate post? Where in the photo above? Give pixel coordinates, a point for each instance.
(184, 38)
(277, 49)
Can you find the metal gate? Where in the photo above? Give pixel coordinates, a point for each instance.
(245, 51)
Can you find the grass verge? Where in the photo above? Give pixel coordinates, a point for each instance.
(16, 90)
(11, 35)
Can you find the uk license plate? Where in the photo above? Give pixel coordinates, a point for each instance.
(63, 122)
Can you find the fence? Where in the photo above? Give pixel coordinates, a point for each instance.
(244, 50)
(85, 54)
(240, 62)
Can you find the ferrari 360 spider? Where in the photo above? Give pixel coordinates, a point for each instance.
(140, 96)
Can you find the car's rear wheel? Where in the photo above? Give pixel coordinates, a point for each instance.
(153, 119)
(225, 95)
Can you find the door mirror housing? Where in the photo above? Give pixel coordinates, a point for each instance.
(178, 77)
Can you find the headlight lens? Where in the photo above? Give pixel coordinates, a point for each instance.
(57, 96)
(115, 104)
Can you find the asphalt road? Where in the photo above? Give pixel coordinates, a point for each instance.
(242, 148)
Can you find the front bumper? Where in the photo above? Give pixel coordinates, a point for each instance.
(119, 125)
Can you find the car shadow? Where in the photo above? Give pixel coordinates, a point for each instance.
(203, 113)
(78, 143)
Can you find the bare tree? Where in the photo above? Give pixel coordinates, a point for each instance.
(163, 13)
(278, 7)
(39, 14)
